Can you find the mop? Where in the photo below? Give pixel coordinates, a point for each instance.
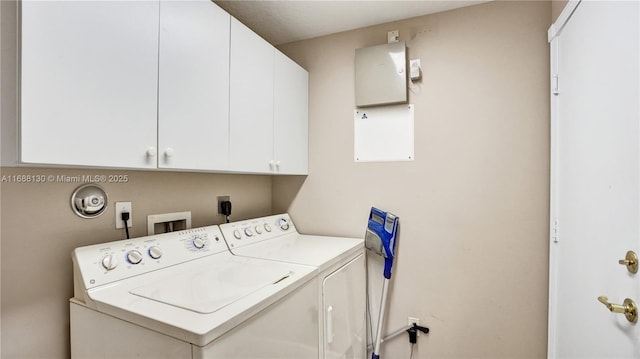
(380, 238)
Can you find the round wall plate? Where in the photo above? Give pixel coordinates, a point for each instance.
(89, 201)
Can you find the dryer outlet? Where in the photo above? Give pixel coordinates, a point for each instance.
(220, 200)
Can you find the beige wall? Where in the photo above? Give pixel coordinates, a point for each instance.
(556, 8)
(473, 205)
(472, 255)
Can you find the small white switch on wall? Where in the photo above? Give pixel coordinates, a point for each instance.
(393, 36)
(414, 70)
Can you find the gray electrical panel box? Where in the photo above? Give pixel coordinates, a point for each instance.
(381, 76)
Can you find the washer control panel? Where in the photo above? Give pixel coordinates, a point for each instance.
(244, 233)
(107, 262)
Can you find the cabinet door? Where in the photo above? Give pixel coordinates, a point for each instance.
(193, 117)
(290, 97)
(89, 72)
(344, 301)
(251, 99)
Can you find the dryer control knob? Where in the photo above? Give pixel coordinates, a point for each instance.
(198, 242)
(134, 256)
(258, 229)
(109, 262)
(267, 227)
(284, 225)
(236, 233)
(248, 232)
(155, 252)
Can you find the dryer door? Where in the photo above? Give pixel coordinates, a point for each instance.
(344, 303)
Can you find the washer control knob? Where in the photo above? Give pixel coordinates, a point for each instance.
(109, 262)
(248, 232)
(258, 229)
(236, 233)
(198, 242)
(155, 252)
(267, 227)
(283, 223)
(134, 256)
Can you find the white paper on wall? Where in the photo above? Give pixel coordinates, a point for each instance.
(383, 133)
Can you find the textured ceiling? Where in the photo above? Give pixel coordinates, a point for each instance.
(280, 22)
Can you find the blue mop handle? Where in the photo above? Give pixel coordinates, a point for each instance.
(388, 263)
(389, 248)
(387, 231)
(384, 226)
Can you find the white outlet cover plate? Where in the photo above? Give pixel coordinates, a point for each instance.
(123, 207)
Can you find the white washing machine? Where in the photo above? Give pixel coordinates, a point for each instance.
(184, 295)
(341, 276)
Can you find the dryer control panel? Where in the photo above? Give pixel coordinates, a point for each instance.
(109, 262)
(244, 233)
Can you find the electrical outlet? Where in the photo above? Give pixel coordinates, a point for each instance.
(411, 320)
(220, 200)
(393, 36)
(123, 207)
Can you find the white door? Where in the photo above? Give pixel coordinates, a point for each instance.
(193, 93)
(595, 184)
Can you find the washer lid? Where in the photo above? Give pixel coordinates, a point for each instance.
(319, 251)
(211, 288)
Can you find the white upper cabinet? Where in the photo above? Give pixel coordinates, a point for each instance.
(156, 84)
(251, 101)
(193, 93)
(269, 107)
(290, 101)
(89, 73)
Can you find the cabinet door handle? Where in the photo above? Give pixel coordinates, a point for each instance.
(151, 151)
(169, 152)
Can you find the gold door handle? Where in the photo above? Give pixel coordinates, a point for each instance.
(628, 308)
(631, 261)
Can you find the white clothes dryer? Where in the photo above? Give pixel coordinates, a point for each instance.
(184, 295)
(341, 275)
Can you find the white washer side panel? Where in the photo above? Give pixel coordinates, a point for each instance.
(96, 335)
(287, 329)
(343, 302)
